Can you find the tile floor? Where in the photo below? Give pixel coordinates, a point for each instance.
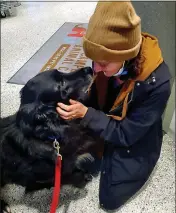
(21, 36)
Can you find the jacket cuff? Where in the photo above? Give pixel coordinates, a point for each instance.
(88, 117)
(95, 120)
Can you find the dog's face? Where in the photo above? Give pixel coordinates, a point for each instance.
(37, 115)
(53, 86)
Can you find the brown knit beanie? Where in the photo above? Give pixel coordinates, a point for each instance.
(114, 32)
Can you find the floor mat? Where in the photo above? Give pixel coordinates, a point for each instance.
(62, 51)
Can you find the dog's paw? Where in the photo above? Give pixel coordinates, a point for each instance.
(84, 159)
(79, 179)
(4, 207)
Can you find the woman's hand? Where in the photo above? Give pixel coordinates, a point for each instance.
(72, 111)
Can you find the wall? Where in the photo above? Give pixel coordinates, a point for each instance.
(172, 125)
(158, 18)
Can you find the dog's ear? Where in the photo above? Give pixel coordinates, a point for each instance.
(38, 120)
(25, 118)
(28, 94)
(47, 122)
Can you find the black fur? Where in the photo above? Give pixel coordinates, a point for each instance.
(27, 155)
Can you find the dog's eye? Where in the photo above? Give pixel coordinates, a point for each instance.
(63, 83)
(67, 90)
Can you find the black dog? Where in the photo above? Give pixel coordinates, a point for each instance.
(27, 155)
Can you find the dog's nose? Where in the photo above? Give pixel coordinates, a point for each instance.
(89, 70)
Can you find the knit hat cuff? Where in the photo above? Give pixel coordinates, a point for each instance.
(97, 52)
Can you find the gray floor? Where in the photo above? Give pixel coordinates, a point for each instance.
(21, 37)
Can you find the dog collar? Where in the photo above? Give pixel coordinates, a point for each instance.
(58, 138)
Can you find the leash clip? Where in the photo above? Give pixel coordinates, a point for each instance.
(57, 147)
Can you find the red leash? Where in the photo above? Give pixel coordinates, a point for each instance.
(57, 184)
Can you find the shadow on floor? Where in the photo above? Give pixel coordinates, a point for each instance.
(41, 200)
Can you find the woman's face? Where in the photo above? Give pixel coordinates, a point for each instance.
(109, 68)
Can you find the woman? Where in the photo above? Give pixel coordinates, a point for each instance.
(128, 99)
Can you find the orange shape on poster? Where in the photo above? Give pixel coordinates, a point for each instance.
(77, 31)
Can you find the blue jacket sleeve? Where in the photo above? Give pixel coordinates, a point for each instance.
(135, 125)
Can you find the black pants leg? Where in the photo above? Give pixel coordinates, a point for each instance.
(115, 195)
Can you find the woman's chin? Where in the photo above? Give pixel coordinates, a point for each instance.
(107, 74)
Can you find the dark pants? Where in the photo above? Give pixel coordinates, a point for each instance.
(115, 196)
